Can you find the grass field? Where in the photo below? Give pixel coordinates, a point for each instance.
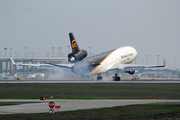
(97, 91)
(136, 112)
(2, 104)
(90, 91)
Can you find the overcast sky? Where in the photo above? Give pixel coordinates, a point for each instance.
(151, 27)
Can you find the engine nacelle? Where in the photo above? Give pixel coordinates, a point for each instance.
(73, 57)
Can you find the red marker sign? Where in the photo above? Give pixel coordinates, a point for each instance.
(58, 107)
(51, 111)
(51, 104)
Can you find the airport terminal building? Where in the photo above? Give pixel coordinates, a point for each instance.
(7, 66)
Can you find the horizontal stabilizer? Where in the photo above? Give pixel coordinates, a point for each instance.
(13, 61)
(61, 65)
(43, 65)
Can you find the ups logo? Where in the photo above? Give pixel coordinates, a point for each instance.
(73, 44)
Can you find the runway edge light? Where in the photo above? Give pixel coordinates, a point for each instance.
(154, 96)
(42, 98)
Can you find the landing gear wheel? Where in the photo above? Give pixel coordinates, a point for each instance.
(99, 77)
(116, 78)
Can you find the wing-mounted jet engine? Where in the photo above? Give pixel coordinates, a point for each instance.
(77, 54)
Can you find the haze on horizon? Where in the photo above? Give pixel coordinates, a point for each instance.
(151, 27)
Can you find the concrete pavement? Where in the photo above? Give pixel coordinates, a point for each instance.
(37, 106)
(93, 81)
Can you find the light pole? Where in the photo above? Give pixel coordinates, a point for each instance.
(16, 54)
(90, 51)
(63, 54)
(25, 52)
(53, 50)
(48, 55)
(10, 52)
(146, 62)
(157, 63)
(157, 59)
(174, 64)
(146, 59)
(68, 49)
(5, 52)
(59, 49)
(32, 54)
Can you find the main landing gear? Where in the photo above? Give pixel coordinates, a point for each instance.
(99, 77)
(116, 78)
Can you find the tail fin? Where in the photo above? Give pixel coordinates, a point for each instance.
(74, 44)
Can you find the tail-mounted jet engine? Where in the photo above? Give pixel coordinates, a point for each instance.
(77, 54)
(73, 57)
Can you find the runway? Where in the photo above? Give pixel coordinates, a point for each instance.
(93, 81)
(37, 106)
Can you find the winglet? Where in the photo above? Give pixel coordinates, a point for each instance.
(13, 61)
(164, 62)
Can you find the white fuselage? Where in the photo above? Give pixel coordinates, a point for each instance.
(122, 55)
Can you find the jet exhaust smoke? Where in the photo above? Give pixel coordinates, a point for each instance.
(58, 73)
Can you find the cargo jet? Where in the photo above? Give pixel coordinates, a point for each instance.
(109, 63)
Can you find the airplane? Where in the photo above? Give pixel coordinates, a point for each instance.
(109, 63)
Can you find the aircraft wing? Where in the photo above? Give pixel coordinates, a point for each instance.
(43, 65)
(130, 67)
(60, 65)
